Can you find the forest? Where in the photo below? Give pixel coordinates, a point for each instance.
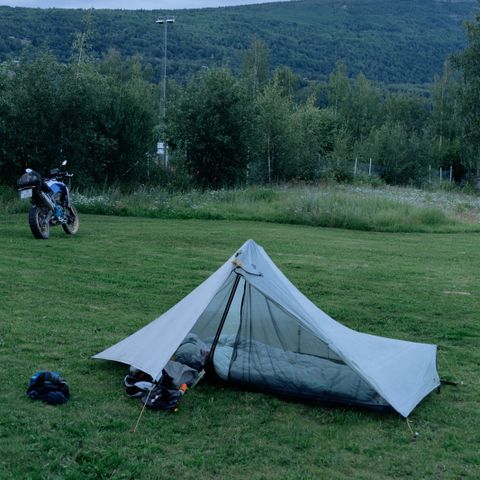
(400, 42)
(259, 123)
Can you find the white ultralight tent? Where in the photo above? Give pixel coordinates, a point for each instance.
(261, 332)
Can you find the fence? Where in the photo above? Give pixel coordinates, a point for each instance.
(430, 175)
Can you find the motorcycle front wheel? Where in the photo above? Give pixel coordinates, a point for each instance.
(73, 223)
(39, 221)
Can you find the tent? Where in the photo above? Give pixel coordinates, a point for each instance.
(260, 331)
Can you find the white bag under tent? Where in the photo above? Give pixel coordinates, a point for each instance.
(262, 332)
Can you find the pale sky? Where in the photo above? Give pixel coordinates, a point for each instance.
(131, 4)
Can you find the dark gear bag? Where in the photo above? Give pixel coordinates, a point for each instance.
(49, 387)
(164, 395)
(162, 398)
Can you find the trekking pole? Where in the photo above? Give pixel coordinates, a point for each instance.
(134, 429)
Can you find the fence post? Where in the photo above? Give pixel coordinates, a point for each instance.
(440, 173)
(429, 174)
(451, 173)
(355, 167)
(370, 168)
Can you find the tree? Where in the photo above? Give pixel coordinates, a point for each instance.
(399, 155)
(7, 159)
(255, 68)
(446, 126)
(273, 139)
(206, 122)
(362, 111)
(51, 111)
(339, 159)
(315, 131)
(288, 81)
(107, 124)
(468, 64)
(338, 89)
(357, 104)
(33, 92)
(406, 108)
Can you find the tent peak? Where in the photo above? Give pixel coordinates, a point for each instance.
(245, 258)
(250, 243)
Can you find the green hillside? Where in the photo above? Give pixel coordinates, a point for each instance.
(405, 41)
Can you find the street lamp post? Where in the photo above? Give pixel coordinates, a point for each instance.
(163, 137)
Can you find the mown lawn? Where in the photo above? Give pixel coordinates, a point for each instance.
(67, 298)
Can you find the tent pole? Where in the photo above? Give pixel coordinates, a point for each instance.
(222, 321)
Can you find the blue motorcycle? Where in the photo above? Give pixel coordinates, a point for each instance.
(51, 204)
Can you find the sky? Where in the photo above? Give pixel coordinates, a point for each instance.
(130, 4)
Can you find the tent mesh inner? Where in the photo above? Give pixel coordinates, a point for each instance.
(262, 345)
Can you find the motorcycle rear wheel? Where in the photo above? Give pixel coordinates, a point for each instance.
(73, 222)
(39, 222)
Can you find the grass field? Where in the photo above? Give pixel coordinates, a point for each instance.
(67, 298)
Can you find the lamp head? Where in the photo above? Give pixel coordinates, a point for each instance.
(161, 21)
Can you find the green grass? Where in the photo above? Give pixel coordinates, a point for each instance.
(385, 209)
(336, 206)
(67, 298)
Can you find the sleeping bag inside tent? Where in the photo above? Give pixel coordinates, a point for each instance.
(251, 326)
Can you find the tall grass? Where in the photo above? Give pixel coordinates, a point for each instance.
(345, 210)
(317, 206)
(369, 209)
(9, 201)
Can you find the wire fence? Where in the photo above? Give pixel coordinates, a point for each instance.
(423, 174)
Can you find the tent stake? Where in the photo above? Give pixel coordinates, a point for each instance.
(415, 434)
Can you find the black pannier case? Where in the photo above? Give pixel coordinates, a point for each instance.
(29, 180)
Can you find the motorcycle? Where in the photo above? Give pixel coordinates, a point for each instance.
(50, 198)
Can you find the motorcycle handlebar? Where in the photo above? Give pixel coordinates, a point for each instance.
(61, 175)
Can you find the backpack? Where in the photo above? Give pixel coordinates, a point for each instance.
(49, 387)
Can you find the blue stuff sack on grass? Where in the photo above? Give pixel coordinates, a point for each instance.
(49, 387)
